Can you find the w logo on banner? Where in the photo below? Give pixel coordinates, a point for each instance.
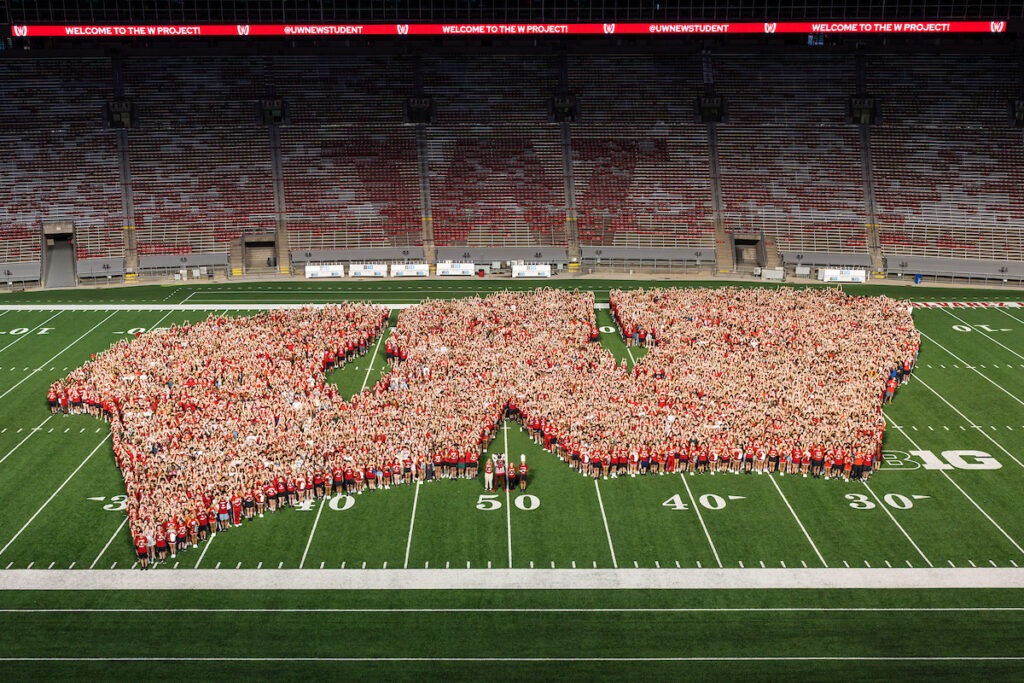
(997, 26)
(403, 29)
(770, 28)
(609, 28)
(243, 29)
(20, 31)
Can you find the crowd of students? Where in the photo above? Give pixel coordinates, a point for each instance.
(223, 421)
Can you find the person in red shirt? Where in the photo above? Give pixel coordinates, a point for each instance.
(142, 550)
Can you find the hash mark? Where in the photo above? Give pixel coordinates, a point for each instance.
(1013, 563)
(636, 564)
(531, 564)
(699, 566)
(574, 564)
(741, 564)
(51, 565)
(951, 563)
(993, 563)
(677, 564)
(72, 565)
(218, 566)
(175, 566)
(762, 564)
(783, 563)
(488, 564)
(552, 564)
(910, 565)
(281, 564)
(113, 565)
(804, 563)
(30, 565)
(447, 565)
(238, 566)
(887, 564)
(971, 562)
(259, 566)
(866, 564)
(8, 565)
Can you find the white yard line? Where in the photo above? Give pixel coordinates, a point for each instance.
(523, 660)
(373, 357)
(966, 495)
(412, 523)
(1007, 313)
(970, 422)
(27, 437)
(494, 610)
(971, 367)
(801, 524)
(94, 562)
(508, 506)
(29, 333)
(309, 541)
(885, 509)
(507, 579)
(54, 494)
(206, 546)
(700, 518)
(56, 355)
(982, 333)
(604, 517)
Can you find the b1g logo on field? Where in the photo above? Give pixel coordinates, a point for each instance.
(948, 460)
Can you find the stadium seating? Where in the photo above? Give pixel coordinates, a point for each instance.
(643, 190)
(497, 186)
(18, 244)
(491, 90)
(59, 162)
(948, 166)
(790, 164)
(200, 163)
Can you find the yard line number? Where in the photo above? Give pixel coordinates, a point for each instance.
(491, 501)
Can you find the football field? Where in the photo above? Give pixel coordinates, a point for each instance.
(947, 497)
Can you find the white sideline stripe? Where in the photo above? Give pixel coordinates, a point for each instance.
(507, 579)
(972, 368)
(488, 610)
(27, 437)
(123, 522)
(309, 541)
(515, 660)
(899, 526)
(212, 306)
(969, 421)
(412, 523)
(801, 524)
(966, 495)
(29, 333)
(700, 517)
(604, 517)
(56, 355)
(54, 494)
(983, 333)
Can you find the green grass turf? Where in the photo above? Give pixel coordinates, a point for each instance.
(789, 628)
(965, 395)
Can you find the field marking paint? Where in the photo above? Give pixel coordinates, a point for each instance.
(499, 610)
(309, 541)
(373, 359)
(508, 507)
(700, 517)
(973, 369)
(801, 524)
(885, 508)
(524, 660)
(607, 532)
(121, 526)
(27, 437)
(29, 333)
(983, 333)
(966, 495)
(54, 494)
(412, 524)
(206, 547)
(971, 422)
(84, 335)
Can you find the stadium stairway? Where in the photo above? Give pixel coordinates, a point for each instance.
(60, 266)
